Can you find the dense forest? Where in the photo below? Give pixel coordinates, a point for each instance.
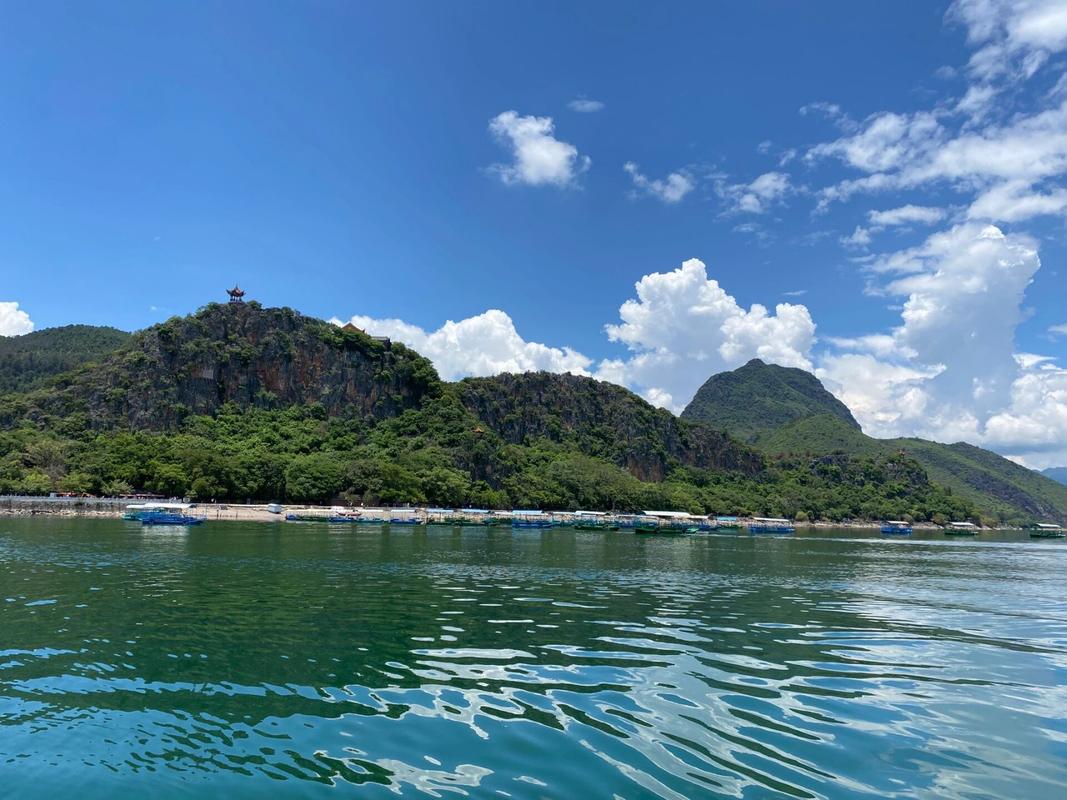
(244, 403)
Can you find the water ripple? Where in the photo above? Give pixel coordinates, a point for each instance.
(225, 662)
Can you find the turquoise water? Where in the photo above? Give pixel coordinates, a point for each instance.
(286, 660)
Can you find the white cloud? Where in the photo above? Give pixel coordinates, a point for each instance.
(1058, 330)
(539, 158)
(1014, 37)
(880, 220)
(886, 141)
(670, 189)
(977, 101)
(682, 327)
(905, 215)
(1029, 148)
(1013, 201)
(585, 106)
(486, 344)
(860, 237)
(755, 197)
(949, 371)
(13, 320)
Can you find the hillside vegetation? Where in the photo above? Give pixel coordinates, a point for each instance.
(759, 397)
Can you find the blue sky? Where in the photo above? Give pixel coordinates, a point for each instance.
(844, 159)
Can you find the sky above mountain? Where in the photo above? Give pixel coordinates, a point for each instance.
(872, 191)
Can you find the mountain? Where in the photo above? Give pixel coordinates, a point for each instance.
(245, 355)
(601, 420)
(759, 397)
(1058, 474)
(997, 487)
(29, 360)
(239, 402)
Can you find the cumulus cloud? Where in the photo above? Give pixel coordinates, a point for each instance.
(949, 370)
(585, 106)
(682, 327)
(539, 158)
(13, 320)
(486, 344)
(670, 189)
(756, 197)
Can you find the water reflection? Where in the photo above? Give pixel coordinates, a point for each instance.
(475, 661)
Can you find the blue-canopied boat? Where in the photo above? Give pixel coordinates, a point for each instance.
(169, 518)
(529, 518)
(896, 527)
(771, 525)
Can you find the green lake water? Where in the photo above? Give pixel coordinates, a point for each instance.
(244, 660)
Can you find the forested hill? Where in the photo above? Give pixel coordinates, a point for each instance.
(240, 354)
(31, 359)
(752, 402)
(758, 397)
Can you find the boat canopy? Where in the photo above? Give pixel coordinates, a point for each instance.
(526, 512)
(771, 520)
(1048, 526)
(474, 511)
(590, 513)
(962, 525)
(161, 506)
(726, 519)
(667, 514)
(897, 522)
(440, 511)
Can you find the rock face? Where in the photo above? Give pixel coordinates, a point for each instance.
(759, 397)
(604, 420)
(245, 355)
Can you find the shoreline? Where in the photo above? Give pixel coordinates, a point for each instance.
(259, 512)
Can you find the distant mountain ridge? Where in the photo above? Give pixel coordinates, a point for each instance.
(780, 413)
(30, 360)
(758, 397)
(1058, 474)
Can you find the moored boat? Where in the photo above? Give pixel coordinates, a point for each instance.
(531, 523)
(896, 527)
(169, 518)
(1046, 530)
(658, 530)
(961, 529)
(771, 525)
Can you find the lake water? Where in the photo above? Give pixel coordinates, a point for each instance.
(245, 660)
